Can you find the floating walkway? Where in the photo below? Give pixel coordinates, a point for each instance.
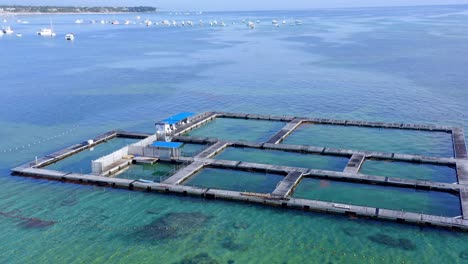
(286, 186)
(280, 196)
(354, 163)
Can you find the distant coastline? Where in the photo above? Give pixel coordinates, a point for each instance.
(31, 10)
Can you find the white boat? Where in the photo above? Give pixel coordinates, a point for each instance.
(251, 25)
(174, 23)
(115, 22)
(284, 22)
(7, 30)
(223, 24)
(46, 32)
(19, 35)
(166, 23)
(69, 36)
(79, 21)
(274, 21)
(127, 22)
(103, 21)
(145, 181)
(298, 22)
(148, 23)
(138, 17)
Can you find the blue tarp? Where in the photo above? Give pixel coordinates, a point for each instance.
(177, 118)
(164, 144)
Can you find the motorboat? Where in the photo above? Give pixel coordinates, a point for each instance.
(79, 21)
(46, 32)
(70, 36)
(251, 25)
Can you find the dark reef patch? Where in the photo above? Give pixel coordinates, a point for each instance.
(464, 254)
(230, 244)
(389, 241)
(353, 231)
(69, 201)
(28, 222)
(172, 226)
(202, 258)
(241, 225)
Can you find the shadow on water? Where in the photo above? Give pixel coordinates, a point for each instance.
(172, 226)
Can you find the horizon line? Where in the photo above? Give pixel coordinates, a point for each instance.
(246, 10)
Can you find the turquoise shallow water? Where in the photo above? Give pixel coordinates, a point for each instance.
(238, 129)
(373, 139)
(157, 172)
(284, 158)
(410, 171)
(389, 64)
(394, 198)
(81, 162)
(235, 180)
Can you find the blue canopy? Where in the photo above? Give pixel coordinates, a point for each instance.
(177, 118)
(164, 144)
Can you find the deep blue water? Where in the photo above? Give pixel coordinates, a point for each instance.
(385, 64)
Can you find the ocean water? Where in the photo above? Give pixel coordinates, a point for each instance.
(238, 129)
(284, 158)
(235, 180)
(157, 172)
(386, 64)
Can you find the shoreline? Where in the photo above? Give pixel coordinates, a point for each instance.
(72, 13)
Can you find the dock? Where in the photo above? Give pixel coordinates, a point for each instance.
(283, 133)
(212, 150)
(282, 195)
(185, 173)
(325, 121)
(354, 163)
(286, 186)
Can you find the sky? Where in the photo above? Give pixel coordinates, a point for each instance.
(231, 5)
